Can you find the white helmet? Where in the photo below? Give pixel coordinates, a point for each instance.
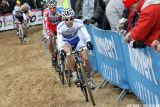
(68, 12)
(52, 3)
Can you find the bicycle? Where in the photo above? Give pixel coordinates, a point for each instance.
(82, 76)
(20, 31)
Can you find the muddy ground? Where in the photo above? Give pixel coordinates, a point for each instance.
(27, 78)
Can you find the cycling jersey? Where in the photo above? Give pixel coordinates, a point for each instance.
(51, 21)
(18, 15)
(70, 35)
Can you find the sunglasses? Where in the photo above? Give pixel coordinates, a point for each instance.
(67, 19)
(52, 7)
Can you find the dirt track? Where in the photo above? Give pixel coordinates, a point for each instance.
(28, 80)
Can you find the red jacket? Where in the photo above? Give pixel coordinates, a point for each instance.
(148, 26)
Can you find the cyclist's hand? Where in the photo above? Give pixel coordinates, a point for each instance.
(62, 54)
(89, 45)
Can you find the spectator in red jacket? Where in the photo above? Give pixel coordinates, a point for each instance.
(147, 28)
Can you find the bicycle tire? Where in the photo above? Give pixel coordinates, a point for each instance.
(84, 91)
(21, 36)
(87, 86)
(83, 88)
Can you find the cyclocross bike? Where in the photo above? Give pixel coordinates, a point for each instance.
(21, 31)
(82, 76)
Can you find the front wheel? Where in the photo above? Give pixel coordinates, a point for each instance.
(21, 36)
(82, 83)
(86, 83)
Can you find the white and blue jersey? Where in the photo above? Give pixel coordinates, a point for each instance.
(70, 34)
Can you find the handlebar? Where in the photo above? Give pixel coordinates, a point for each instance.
(75, 51)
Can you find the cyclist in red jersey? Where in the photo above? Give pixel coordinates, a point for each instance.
(51, 19)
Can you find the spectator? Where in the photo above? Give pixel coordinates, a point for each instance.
(76, 5)
(78, 8)
(147, 28)
(99, 15)
(4, 7)
(114, 11)
(88, 9)
(128, 21)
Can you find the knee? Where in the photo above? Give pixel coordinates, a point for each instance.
(85, 58)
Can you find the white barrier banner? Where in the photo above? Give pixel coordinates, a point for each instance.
(36, 18)
(6, 21)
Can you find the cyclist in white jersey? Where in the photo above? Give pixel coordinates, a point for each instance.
(67, 35)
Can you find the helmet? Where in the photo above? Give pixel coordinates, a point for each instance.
(52, 3)
(128, 3)
(68, 12)
(18, 2)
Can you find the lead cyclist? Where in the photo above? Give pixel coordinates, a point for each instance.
(67, 35)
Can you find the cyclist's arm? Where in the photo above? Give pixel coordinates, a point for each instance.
(85, 33)
(59, 41)
(46, 25)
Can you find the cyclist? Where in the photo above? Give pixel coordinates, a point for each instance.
(25, 8)
(67, 35)
(19, 16)
(51, 19)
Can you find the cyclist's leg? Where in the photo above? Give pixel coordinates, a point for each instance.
(70, 63)
(69, 58)
(84, 55)
(51, 46)
(16, 21)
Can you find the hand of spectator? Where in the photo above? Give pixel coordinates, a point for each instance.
(156, 45)
(88, 21)
(79, 17)
(122, 32)
(131, 44)
(121, 24)
(127, 38)
(137, 44)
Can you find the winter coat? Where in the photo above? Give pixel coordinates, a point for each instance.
(114, 11)
(88, 9)
(99, 15)
(148, 26)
